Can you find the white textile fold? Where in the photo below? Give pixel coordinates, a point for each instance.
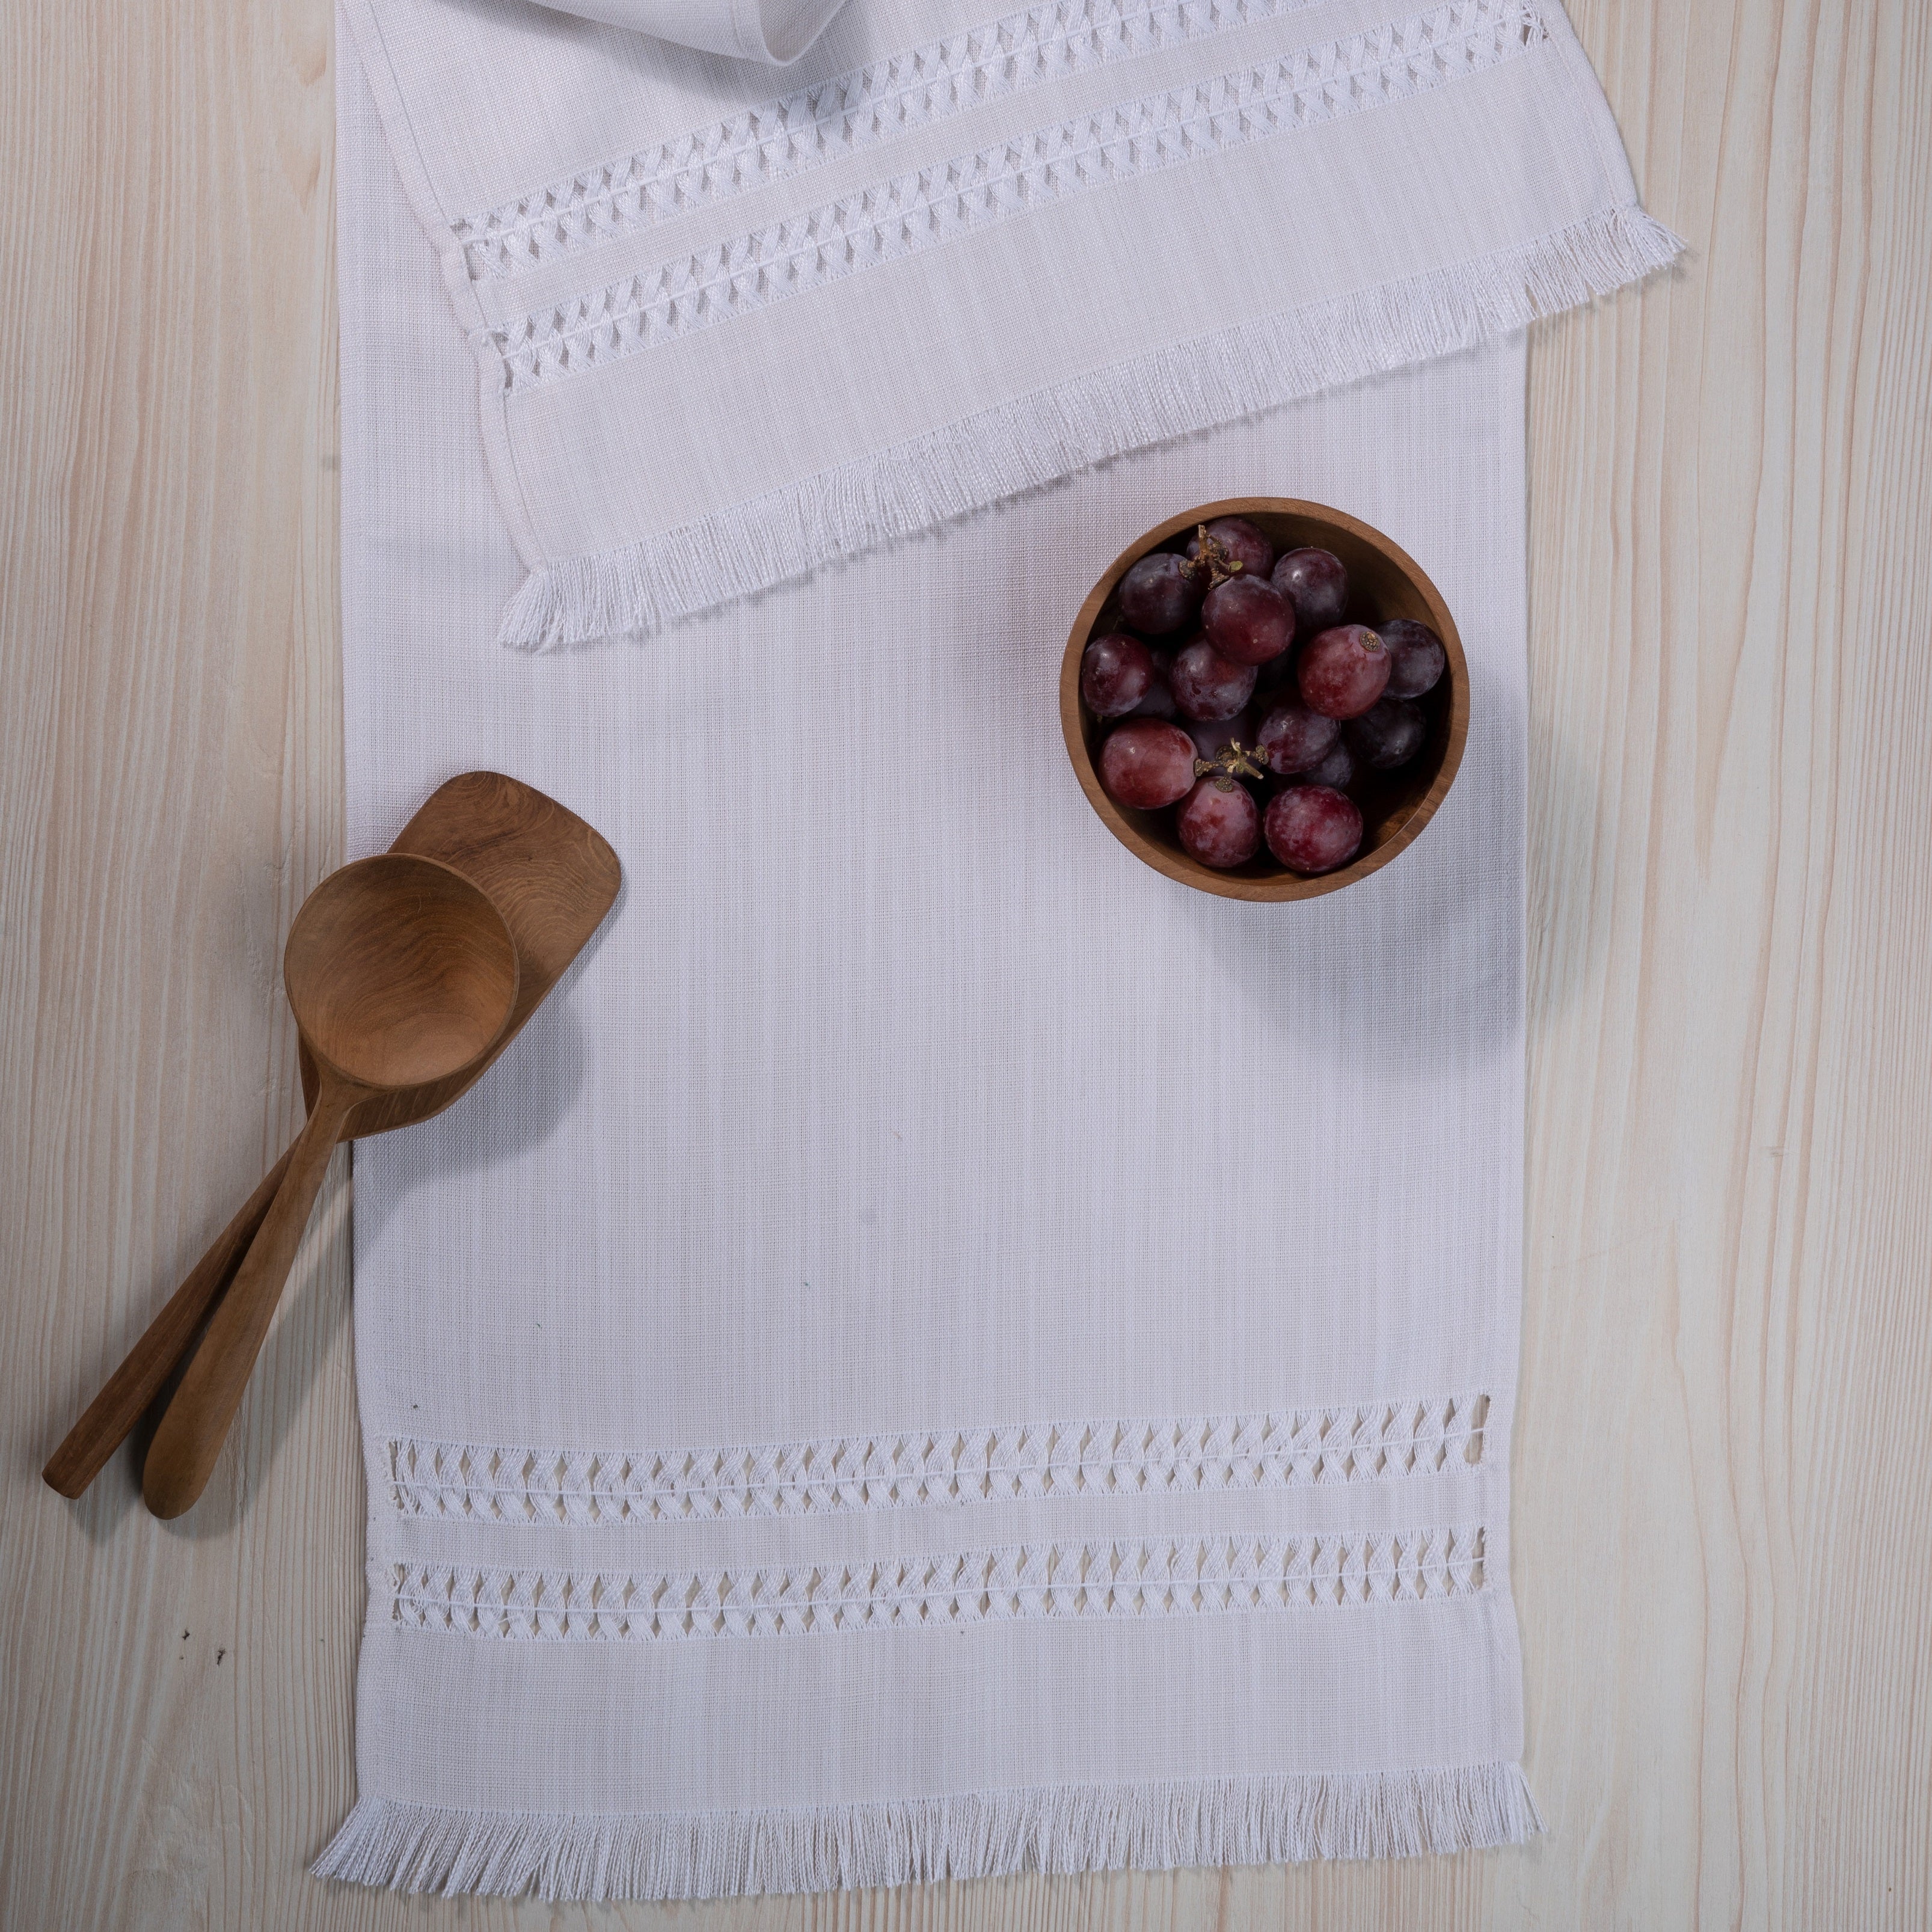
(724, 333)
(776, 32)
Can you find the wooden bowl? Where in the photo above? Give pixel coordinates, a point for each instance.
(1384, 582)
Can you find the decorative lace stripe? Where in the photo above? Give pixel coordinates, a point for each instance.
(1153, 1577)
(848, 115)
(911, 212)
(1370, 1442)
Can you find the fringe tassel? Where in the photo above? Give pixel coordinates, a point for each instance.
(1063, 1828)
(1041, 438)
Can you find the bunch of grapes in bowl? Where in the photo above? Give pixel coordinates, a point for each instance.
(1231, 687)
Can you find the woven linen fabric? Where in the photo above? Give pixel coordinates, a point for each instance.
(726, 329)
(940, 1351)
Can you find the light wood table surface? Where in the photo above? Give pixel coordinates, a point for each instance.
(1723, 1464)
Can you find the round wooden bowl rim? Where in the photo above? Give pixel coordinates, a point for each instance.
(1285, 885)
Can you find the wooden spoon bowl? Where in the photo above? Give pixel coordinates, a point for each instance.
(399, 971)
(1384, 582)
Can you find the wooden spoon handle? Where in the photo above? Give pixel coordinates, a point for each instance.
(195, 1423)
(124, 1397)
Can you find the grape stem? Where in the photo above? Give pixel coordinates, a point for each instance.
(1234, 761)
(1213, 554)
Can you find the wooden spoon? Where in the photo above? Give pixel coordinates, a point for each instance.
(400, 971)
(552, 877)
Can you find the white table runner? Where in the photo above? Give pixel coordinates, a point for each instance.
(940, 1352)
(724, 333)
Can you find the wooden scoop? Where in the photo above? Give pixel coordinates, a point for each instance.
(400, 972)
(553, 878)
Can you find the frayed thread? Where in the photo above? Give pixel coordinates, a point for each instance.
(1061, 1828)
(1039, 438)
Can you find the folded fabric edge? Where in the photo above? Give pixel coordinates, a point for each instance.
(775, 31)
(1038, 438)
(1062, 1828)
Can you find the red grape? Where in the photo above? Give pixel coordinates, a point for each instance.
(1342, 671)
(1219, 823)
(1242, 543)
(1206, 686)
(1416, 656)
(1292, 738)
(1389, 733)
(1315, 584)
(1312, 828)
(1337, 770)
(1161, 592)
(1248, 621)
(1116, 673)
(1146, 764)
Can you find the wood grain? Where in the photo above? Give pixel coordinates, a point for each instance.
(1721, 1461)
